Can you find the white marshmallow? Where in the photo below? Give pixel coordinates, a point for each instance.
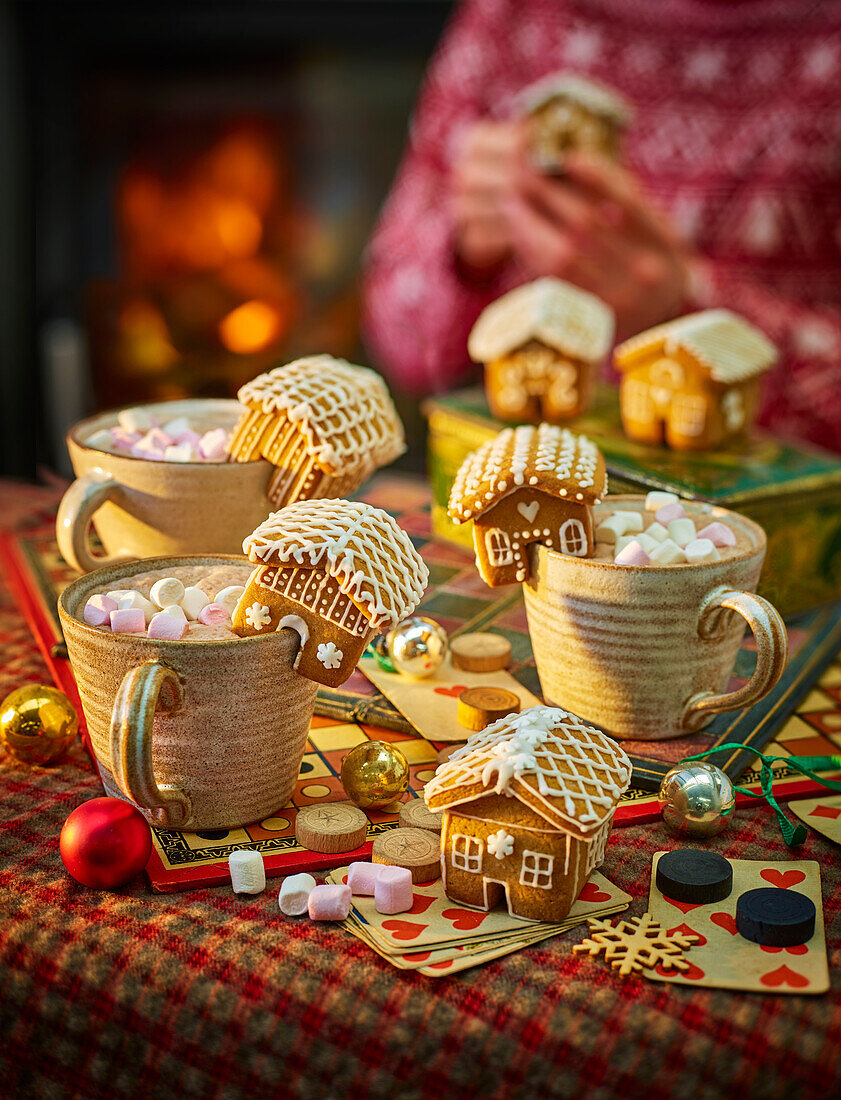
(657, 532)
(180, 452)
(193, 601)
(174, 609)
(137, 599)
(646, 542)
(166, 591)
(701, 550)
(622, 542)
(229, 597)
(118, 594)
(681, 531)
(633, 521)
(248, 872)
(100, 441)
(611, 529)
(668, 553)
(177, 426)
(656, 499)
(295, 893)
(136, 420)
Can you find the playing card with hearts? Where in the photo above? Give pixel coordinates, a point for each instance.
(724, 959)
(821, 814)
(431, 705)
(435, 920)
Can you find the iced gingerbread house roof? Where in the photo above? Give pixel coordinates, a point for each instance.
(371, 559)
(344, 412)
(556, 313)
(544, 457)
(566, 771)
(592, 96)
(722, 343)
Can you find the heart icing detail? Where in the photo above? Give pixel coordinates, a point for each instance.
(591, 892)
(725, 921)
(783, 879)
(687, 931)
(784, 976)
(528, 511)
(684, 906)
(464, 919)
(420, 904)
(453, 691)
(797, 949)
(403, 929)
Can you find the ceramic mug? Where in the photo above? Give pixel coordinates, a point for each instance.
(198, 735)
(144, 509)
(646, 652)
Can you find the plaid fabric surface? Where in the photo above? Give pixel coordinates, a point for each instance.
(206, 994)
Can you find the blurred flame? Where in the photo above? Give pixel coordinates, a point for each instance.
(250, 327)
(146, 337)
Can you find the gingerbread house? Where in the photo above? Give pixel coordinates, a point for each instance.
(540, 344)
(324, 424)
(692, 383)
(527, 807)
(335, 571)
(528, 485)
(567, 111)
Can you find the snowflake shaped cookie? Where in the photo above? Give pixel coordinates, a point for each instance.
(636, 944)
(257, 616)
(501, 844)
(329, 655)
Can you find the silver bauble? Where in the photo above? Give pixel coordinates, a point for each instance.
(696, 799)
(417, 646)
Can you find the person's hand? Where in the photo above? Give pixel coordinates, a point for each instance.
(484, 177)
(594, 227)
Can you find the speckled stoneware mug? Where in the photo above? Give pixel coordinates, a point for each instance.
(646, 652)
(143, 509)
(199, 735)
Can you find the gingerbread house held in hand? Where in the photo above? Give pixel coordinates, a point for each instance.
(570, 112)
(539, 344)
(692, 383)
(335, 571)
(528, 806)
(528, 484)
(324, 424)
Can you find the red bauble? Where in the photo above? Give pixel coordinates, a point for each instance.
(105, 842)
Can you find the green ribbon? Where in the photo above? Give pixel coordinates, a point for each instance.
(793, 834)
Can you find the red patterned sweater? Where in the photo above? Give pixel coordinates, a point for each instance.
(737, 135)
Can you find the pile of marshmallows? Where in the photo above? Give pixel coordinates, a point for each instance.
(141, 435)
(168, 612)
(670, 540)
(391, 888)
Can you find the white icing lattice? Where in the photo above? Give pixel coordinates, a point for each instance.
(344, 412)
(545, 457)
(570, 771)
(371, 559)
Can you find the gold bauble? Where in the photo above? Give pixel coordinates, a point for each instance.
(375, 773)
(38, 724)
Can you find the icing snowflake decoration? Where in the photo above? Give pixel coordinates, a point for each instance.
(257, 616)
(329, 655)
(501, 844)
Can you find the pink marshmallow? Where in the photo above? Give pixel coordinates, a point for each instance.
(214, 614)
(669, 512)
(393, 890)
(361, 877)
(329, 903)
(98, 611)
(214, 444)
(189, 436)
(123, 440)
(719, 534)
(128, 620)
(632, 554)
(166, 628)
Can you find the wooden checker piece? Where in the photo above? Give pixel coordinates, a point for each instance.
(415, 814)
(331, 827)
(481, 652)
(417, 849)
(478, 707)
(695, 876)
(775, 918)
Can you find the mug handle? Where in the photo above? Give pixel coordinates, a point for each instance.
(82, 500)
(771, 651)
(131, 741)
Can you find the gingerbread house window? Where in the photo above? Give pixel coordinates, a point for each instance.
(466, 853)
(733, 410)
(688, 413)
(637, 402)
(573, 538)
(498, 543)
(536, 870)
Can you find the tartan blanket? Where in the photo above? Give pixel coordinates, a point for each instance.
(206, 994)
